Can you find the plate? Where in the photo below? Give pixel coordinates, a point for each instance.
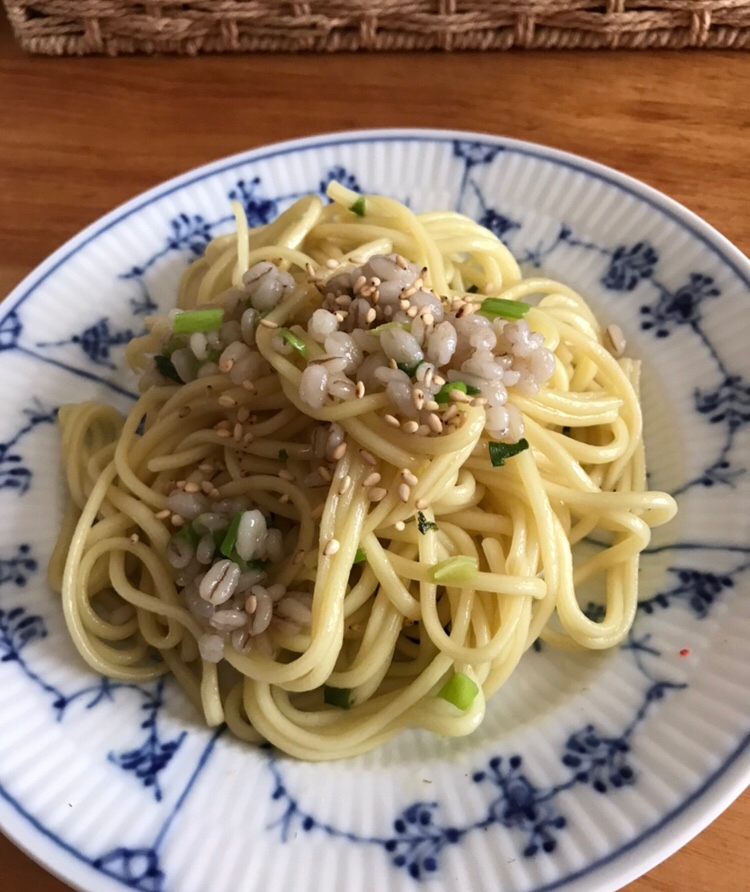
(588, 769)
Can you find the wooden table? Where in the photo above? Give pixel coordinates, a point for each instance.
(79, 136)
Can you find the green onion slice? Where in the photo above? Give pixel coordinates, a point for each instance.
(230, 537)
(460, 690)
(192, 321)
(189, 534)
(456, 570)
(500, 451)
(166, 368)
(360, 555)
(444, 394)
(499, 306)
(411, 370)
(294, 340)
(358, 207)
(341, 697)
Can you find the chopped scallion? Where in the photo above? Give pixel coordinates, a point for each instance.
(387, 326)
(460, 690)
(165, 367)
(192, 321)
(424, 525)
(411, 370)
(444, 394)
(455, 570)
(230, 537)
(293, 340)
(189, 534)
(500, 451)
(499, 306)
(360, 556)
(341, 697)
(358, 207)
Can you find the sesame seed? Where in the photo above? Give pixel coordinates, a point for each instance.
(331, 547)
(404, 304)
(177, 520)
(181, 484)
(614, 340)
(223, 426)
(310, 270)
(325, 473)
(400, 525)
(284, 498)
(371, 479)
(345, 485)
(184, 412)
(392, 420)
(192, 487)
(135, 539)
(478, 402)
(428, 377)
(163, 514)
(339, 317)
(408, 477)
(435, 423)
(402, 262)
(224, 433)
(404, 492)
(227, 401)
(367, 457)
(392, 364)
(343, 300)
(285, 475)
(458, 396)
(206, 468)
(251, 604)
(243, 414)
(450, 412)
(269, 323)
(360, 283)
(412, 312)
(432, 406)
(408, 292)
(410, 427)
(359, 390)
(339, 452)
(489, 288)
(424, 430)
(249, 386)
(226, 365)
(377, 494)
(417, 397)
(375, 281)
(238, 431)
(428, 318)
(331, 263)
(357, 259)
(420, 504)
(317, 511)
(207, 486)
(370, 315)
(248, 438)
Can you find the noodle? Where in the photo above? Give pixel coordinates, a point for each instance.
(349, 496)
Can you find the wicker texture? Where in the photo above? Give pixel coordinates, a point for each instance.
(60, 27)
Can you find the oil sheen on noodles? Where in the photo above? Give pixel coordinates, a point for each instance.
(352, 492)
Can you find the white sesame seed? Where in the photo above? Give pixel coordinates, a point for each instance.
(339, 452)
(404, 492)
(450, 412)
(615, 340)
(432, 405)
(310, 270)
(412, 312)
(410, 427)
(238, 431)
(343, 300)
(135, 539)
(371, 315)
(163, 514)
(424, 430)
(400, 525)
(360, 283)
(192, 487)
(224, 433)
(402, 262)
(178, 520)
(417, 397)
(409, 478)
(285, 475)
(249, 386)
(269, 323)
(331, 547)
(377, 494)
(251, 604)
(404, 304)
(206, 468)
(345, 485)
(458, 396)
(371, 479)
(478, 402)
(359, 390)
(226, 365)
(367, 457)
(331, 263)
(435, 423)
(227, 401)
(243, 414)
(248, 438)
(284, 498)
(439, 380)
(428, 318)
(420, 504)
(325, 473)
(392, 420)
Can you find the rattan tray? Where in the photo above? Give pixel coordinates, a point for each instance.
(59, 27)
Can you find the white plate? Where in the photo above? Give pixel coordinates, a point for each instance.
(588, 770)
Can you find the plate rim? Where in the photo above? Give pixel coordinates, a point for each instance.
(717, 791)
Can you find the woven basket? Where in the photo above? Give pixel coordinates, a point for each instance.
(58, 27)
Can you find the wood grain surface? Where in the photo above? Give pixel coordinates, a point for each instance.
(79, 136)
